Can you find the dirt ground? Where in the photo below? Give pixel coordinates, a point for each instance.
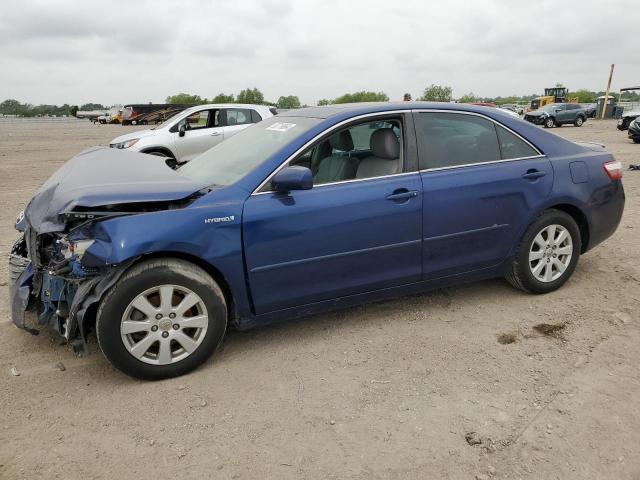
(460, 383)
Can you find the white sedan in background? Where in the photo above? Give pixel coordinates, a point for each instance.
(193, 131)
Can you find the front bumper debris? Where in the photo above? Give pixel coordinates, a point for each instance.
(61, 301)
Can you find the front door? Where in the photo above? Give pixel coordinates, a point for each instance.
(358, 229)
(480, 183)
(202, 132)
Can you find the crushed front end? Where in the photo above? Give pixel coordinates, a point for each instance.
(48, 275)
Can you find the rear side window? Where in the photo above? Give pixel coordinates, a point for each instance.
(238, 116)
(255, 116)
(453, 139)
(512, 146)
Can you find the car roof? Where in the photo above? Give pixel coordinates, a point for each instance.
(347, 109)
(225, 105)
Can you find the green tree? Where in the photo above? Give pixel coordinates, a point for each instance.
(363, 96)
(185, 99)
(324, 101)
(91, 106)
(13, 107)
(223, 98)
(584, 96)
(290, 101)
(437, 93)
(250, 95)
(468, 98)
(73, 110)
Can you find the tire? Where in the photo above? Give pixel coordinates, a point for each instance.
(170, 160)
(578, 122)
(522, 274)
(636, 140)
(549, 122)
(141, 350)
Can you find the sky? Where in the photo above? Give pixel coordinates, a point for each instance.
(116, 52)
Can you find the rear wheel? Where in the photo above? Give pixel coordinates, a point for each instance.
(578, 121)
(549, 122)
(548, 253)
(162, 319)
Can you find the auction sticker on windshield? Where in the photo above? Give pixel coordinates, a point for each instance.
(281, 127)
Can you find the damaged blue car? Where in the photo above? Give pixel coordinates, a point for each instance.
(312, 210)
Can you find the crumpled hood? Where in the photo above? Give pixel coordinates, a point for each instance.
(103, 176)
(633, 113)
(132, 135)
(537, 113)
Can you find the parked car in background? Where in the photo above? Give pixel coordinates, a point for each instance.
(557, 114)
(627, 118)
(313, 210)
(510, 111)
(634, 130)
(192, 131)
(590, 109)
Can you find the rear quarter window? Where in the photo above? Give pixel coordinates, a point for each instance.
(513, 146)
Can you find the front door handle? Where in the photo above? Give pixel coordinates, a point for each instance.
(402, 194)
(533, 174)
(215, 134)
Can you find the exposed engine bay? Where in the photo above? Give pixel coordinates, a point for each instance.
(53, 269)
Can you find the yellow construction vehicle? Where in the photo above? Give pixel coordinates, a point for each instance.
(552, 95)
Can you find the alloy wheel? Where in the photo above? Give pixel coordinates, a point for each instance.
(164, 324)
(550, 253)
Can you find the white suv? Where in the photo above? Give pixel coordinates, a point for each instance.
(193, 131)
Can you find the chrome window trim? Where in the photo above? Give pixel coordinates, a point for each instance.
(438, 169)
(419, 110)
(257, 191)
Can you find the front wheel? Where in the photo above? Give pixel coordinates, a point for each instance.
(548, 253)
(162, 319)
(549, 123)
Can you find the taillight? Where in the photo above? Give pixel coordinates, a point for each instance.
(613, 169)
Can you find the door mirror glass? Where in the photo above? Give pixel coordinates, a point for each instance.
(292, 178)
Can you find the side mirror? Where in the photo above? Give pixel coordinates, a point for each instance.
(292, 178)
(182, 129)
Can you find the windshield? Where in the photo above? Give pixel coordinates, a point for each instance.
(232, 159)
(168, 121)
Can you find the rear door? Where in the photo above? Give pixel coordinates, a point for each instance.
(235, 119)
(480, 183)
(203, 131)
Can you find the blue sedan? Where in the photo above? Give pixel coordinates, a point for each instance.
(308, 211)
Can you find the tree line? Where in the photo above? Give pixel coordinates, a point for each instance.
(432, 93)
(248, 95)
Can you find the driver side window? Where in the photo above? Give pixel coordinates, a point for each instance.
(202, 119)
(365, 150)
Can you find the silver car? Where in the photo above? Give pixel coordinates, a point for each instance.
(193, 131)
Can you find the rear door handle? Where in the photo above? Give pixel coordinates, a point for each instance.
(533, 174)
(402, 194)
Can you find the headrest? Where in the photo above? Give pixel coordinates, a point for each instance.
(342, 141)
(384, 144)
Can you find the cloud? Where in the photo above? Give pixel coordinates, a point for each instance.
(121, 51)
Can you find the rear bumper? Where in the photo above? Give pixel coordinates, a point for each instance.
(607, 206)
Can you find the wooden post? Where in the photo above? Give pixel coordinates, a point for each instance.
(606, 95)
